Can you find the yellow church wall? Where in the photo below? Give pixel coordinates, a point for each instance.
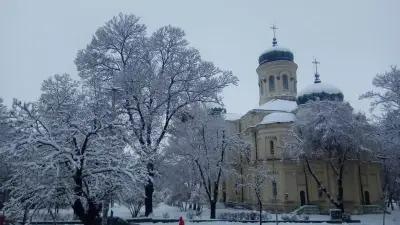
(291, 180)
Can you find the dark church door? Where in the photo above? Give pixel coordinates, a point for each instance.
(366, 196)
(302, 198)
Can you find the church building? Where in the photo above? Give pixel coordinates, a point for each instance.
(265, 128)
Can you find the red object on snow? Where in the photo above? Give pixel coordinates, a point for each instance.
(181, 222)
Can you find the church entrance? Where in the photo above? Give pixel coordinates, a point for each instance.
(366, 197)
(302, 198)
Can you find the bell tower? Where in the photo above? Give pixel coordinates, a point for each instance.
(277, 78)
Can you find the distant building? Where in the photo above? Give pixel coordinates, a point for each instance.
(266, 125)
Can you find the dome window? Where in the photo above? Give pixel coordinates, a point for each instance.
(271, 83)
(271, 147)
(285, 82)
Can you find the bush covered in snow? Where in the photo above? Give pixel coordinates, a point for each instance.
(240, 216)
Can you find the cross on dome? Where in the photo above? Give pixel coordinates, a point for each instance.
(274, 28)
(317, 80)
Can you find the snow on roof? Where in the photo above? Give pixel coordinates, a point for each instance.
(276, 48)
(278, 105)
(278, 117)
(319, 88)
(232, 116)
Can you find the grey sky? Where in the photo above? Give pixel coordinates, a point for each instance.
(354, 40)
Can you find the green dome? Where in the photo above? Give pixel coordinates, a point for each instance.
(274, 54)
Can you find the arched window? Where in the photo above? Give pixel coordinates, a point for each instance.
(285, 81)
(261, 88)
(271, 83)
(271, 147)
(274, 188)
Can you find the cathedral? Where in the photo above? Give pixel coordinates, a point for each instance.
(265, 127)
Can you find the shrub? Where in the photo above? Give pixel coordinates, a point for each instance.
(240, 216)
(165, 215)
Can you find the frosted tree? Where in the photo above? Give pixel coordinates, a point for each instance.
(387, 94)
(66, 153)
(6, 134)
(202, 138)
(256, 179)
(328, 131)
(179, 179)
(151, 78)
(386, 98)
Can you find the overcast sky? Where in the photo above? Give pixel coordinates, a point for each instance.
(353, 40)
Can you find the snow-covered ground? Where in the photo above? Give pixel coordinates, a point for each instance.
(173, 213)
(166, 211)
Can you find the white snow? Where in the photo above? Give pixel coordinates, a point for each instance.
(319, 88)
(232, 116)
(278, 105)
(278, 117)
(174, 213)
(276, 48)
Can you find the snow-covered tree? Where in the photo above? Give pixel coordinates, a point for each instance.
(66, 153)
(152, 78)
(202, 138)
(5, 124)
(386, 97)
(133, 200)
(179, 179)
(6, 134)
(328, 131)
(387, 94)
(256, 179)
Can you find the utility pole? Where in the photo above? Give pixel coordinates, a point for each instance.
(383, 158)
(275, 190)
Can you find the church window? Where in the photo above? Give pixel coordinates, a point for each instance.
(261, 88)
(285, 82)
(271, 147)
(274, 189)
(271, 83)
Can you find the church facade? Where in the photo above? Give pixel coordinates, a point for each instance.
(265, 128)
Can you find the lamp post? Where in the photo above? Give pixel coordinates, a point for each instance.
(383, 158)
(275, 190)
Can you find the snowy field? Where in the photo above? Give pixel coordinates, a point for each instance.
(163, 211)
(173, 212)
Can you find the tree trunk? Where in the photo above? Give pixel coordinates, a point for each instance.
(260, 209)
(360, 183)
(89, 217)
(149, 190)
(340, 193)
(106, 207)
(320, 186)
(340, 186)
(306, 181)
(25, 217)
(213, 205)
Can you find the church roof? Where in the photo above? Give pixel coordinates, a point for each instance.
(278, 105)
(275, 53)
(319, 88)
(232, 116)
(278, 117)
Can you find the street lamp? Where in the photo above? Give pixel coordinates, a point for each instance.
(383, 158)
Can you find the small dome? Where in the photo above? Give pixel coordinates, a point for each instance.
(319, 91)
(275, 53)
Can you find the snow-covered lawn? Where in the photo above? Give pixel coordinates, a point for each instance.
(163, 210)
(173, 213)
